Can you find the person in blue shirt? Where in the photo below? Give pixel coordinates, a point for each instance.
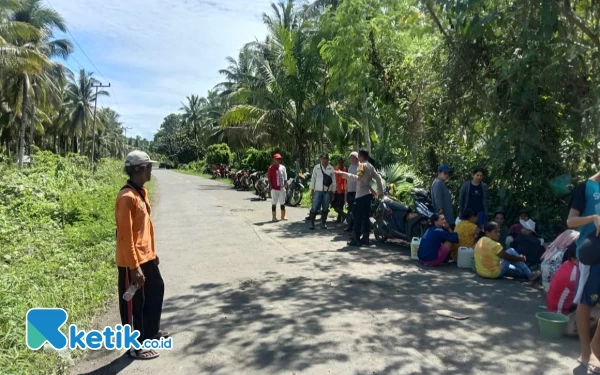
(585, 214)
(436, 243)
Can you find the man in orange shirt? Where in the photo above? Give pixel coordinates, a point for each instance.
(339, 199)
(136, 258)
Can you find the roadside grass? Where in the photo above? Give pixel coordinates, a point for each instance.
(56, 250)
(190, 172)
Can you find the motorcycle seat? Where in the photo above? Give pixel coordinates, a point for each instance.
(398, 207)
(420, 192)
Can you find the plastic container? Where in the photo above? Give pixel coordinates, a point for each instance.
(128, 295)
(414, 248)
(552, 325)
(473, 264)
(465, 257)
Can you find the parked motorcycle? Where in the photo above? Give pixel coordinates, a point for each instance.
(394, 220)
(261, 184)
(245, 182)
(295, 189)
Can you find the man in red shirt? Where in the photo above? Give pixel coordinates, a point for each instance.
(277, 176)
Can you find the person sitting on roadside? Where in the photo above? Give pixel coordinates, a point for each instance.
(437, 242)
(528, 244)
(493, 262)
(515, 229)
(553, 257)
(466, 229)
(500, 218)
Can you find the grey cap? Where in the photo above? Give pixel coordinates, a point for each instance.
(136, 158)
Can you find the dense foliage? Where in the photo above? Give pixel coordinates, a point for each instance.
(56, 247)
(509, 86)
(42, 103)
(218, 154)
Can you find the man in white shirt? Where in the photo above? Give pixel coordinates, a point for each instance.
(322, 187)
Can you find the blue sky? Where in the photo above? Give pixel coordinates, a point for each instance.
(156, 52)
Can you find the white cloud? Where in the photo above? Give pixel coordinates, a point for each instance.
(156, 52)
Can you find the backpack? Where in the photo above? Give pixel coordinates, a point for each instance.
(327, 180)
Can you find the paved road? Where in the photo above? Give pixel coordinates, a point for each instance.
(246, 296)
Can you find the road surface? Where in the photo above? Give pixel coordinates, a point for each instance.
(246, 296)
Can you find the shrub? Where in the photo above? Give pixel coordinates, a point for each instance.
(218, 154)
(259, 160)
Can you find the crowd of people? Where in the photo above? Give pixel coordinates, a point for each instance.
(569, 266)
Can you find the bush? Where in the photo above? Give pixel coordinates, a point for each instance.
(218, 154)
(56, 248)
(259, 160)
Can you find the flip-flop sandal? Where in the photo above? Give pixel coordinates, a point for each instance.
(161, 334)
(143, 354)
(593, 369)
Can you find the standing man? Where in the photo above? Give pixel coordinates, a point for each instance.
(362, 205)
(322, 186)
(584, 214)
(339, 199)
(136, 258)
(277, 176)
(441, 197)
(351, 190)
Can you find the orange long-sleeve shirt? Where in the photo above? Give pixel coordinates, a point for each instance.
(135, 233)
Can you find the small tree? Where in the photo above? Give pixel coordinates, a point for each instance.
(218, 154)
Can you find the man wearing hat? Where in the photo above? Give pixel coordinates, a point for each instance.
(136, 258)
(322, 187)
(351, 190)
(277, 176)
(339, 198)
(440, 195)
(528, 243)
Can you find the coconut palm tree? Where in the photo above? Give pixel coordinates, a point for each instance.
(36, 85)
(286, 104)
(81, 97)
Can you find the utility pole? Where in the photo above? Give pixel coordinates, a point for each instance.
(97, 85)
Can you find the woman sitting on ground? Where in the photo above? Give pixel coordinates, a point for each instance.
(466, 229)
(493, 262)
(436, 242)
(553, 257)
(528, 244)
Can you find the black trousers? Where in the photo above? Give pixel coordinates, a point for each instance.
(361, 211)
(350, 197)
(143, 312)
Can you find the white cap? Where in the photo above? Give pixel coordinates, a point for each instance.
(136, 158)
(529, 224)
(355, 154)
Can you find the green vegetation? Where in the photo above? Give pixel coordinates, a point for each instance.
(512, 87)
(56, 248)
(42, 103)
(218, 154)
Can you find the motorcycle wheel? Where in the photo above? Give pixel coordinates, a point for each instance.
(295, 198)
(378, 236)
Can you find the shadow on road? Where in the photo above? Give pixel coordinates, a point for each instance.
(278, 323)
(116, 366)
